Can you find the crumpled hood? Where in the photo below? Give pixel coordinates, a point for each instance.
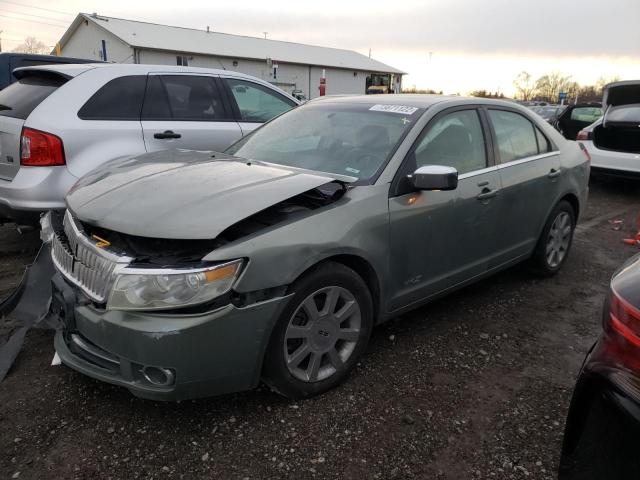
(180, 194)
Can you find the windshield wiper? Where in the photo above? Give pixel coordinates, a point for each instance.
(5, 107)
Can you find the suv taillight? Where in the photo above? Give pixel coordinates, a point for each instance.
(584, 135)
(40, 149)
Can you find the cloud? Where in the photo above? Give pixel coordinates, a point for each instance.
(520, 27)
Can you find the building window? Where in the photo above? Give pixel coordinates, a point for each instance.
(182, 61)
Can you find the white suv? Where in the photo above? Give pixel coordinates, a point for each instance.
(59, 122)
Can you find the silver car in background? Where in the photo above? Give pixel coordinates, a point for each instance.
(59, 122)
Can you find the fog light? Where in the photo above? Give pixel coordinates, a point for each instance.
(160, 377)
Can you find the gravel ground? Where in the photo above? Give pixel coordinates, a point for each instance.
(473, 386)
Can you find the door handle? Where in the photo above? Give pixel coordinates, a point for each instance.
(553, 173)
(486, 194)
(166, 134)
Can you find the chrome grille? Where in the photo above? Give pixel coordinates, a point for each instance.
(90, 268)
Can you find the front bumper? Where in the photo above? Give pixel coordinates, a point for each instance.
(208, 354)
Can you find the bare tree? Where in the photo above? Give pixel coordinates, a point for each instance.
(32, 45)
(549, 86)
(525, 86)
(603, 81)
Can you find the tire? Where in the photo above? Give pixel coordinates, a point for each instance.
(555, 241)
(311, 350)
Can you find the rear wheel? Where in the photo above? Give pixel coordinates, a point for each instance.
(321, 334)
(555, 242)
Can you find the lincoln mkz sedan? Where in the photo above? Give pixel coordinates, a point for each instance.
(183, 274)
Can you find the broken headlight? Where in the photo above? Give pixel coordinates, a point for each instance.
(156, 289)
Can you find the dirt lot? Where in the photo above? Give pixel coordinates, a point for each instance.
(476, 385)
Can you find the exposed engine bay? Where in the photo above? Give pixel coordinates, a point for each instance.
(170, 252)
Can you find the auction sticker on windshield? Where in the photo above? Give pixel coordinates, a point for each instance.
(402, 109)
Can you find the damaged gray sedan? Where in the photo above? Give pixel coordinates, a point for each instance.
(183, 274)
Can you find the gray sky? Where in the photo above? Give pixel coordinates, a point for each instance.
(475, 43)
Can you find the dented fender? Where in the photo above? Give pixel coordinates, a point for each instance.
(356, 225)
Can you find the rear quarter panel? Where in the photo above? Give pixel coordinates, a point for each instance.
(575, 173)
(87, 143)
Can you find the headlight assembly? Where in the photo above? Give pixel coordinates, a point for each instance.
(155, 289)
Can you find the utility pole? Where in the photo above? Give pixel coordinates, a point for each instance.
(0, 40)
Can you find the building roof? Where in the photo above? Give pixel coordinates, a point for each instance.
(188, 40)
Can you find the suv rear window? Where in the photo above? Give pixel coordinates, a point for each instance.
(19, 99)
(119, 99)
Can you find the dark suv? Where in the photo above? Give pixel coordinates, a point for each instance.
(10, 61)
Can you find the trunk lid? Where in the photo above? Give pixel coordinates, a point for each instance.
(621, 103)
(17, 101)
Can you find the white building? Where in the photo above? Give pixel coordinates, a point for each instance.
(291, 66)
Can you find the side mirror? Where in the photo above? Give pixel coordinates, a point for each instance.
(434, 177)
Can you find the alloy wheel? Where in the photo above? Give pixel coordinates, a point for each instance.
(322, 334)
(558, 239)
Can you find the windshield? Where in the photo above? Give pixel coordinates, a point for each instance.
(346, 139)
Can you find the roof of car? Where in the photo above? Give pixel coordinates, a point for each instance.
(412, 100)
(72, 69)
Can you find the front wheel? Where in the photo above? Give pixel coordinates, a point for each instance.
(321, 333)
(555, 242)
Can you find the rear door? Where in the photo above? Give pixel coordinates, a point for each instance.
(17, 101)
(187, 111)
(254, 103)
(529, 167)
(108, 125)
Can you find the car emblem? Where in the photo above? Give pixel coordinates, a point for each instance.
(101, 242)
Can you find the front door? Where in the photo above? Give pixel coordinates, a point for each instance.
(186, 111)
(255, 104)
(439, 239)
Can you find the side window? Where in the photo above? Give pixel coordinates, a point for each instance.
(256, 102)
(119, 99)
(515, 134)
(183, 97)
(586, 114)
(543, 143)
(455, 140)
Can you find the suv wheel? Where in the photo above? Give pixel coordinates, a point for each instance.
(321, 333)
(555, 242)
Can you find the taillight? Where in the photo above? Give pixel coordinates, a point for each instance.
(584, 135)
(619, 347)
(625, 319)
(40, 149)
(585, 151)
